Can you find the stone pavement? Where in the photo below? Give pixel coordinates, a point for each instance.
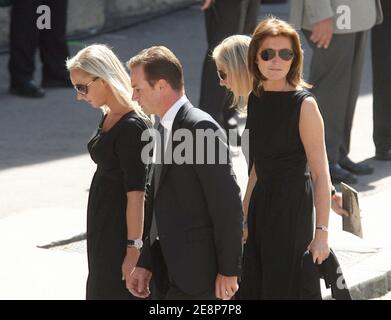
(45, 174)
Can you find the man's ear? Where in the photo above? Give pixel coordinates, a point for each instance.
(162, 84)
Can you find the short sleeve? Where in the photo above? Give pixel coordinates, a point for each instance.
(128, 146)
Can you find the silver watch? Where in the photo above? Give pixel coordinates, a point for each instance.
(138, 243)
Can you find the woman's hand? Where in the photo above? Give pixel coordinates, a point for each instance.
(319, 246)
(130, 261)
(336, 205)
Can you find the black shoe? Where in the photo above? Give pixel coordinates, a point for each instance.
(356, 168)
(339, 174)
(57, 83)
(27, 89)
(383, 155)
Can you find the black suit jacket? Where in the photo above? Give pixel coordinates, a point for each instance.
(198, 213)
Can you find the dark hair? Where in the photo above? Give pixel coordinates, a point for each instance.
(273, 27)
(159, 63)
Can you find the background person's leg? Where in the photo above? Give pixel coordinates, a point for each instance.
(53, 46)
(23, 45)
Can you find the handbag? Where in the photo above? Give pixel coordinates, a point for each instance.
(5, 3)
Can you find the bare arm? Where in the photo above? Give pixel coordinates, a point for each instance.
(252, 180)
(312, 135)
(135, 214)
(134, 222)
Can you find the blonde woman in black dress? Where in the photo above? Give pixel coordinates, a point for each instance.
(116, 200)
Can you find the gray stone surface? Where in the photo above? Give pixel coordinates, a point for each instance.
(85, 15)
(90, 16)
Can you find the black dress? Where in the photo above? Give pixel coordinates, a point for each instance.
(120, 170)
(280, 214)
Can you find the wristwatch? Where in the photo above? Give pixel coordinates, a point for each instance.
(323, 228)
(138, 243)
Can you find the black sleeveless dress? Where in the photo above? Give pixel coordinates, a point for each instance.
(120, 169)
(280, 215)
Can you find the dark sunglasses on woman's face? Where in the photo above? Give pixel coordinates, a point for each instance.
(269, 54)
(83, 88)
(222, 75)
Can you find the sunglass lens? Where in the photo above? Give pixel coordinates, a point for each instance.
(268, 54)
(286, 54)
(82, 89)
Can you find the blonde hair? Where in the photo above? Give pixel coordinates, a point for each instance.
(99, 60)
(232, 53)
(273, 27)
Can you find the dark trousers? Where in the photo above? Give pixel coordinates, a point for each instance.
(381, 66)
(163, 287)
(335, 73)
(25, 37)
(174, 293)
(224, 18)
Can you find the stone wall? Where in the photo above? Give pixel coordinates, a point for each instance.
(93, 16)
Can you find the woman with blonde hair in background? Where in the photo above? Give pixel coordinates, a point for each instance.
(116, 200)
(230, 57)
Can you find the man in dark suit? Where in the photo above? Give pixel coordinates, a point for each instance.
(193, 221)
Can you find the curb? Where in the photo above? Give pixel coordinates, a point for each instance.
(373, 288)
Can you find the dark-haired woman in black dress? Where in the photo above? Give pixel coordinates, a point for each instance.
(288, 167)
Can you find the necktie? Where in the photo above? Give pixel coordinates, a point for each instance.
(153, 234)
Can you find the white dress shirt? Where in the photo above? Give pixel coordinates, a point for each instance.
(169, 116)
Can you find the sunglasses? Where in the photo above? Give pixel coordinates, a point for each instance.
(83, 88)
(222, 75)
(269, 54)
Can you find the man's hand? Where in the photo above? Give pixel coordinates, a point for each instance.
(226, 287)
(322, 33)
(205, 4)
(138, 283)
